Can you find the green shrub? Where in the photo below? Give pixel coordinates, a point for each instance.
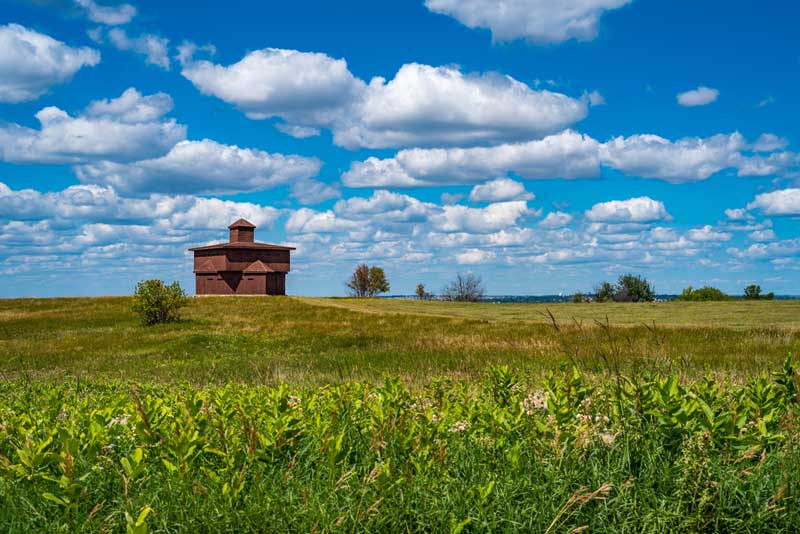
(753, 292)
(605, 292)
(577, 298)
(634, 288)
(629, 288)
(157, 302)
(705, 293)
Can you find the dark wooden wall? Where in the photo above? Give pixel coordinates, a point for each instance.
(240, 284)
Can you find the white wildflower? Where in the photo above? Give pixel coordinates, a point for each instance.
(459, 426)
(607, 438)
(122, 420)
(534, 402)
(293, 401)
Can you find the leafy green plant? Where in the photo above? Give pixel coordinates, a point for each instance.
(157, 302)
(657, 452)
(705, 293)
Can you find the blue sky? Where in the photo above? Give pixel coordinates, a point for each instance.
(545, 146)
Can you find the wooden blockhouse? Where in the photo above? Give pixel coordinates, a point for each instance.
(242, 266)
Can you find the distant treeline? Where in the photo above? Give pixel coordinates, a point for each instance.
(634, 288)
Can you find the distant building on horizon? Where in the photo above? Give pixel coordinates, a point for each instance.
(242, 266)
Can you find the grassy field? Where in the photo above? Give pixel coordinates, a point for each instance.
(317, 341)
(337, 415)
(740, 314)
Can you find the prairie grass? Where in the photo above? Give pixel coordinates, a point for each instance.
(334, 415)
(318, 341)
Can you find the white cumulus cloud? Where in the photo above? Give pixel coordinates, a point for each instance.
(109, 15)
(556, 219)
(492, 218)
(685, 160)
(439, 106)
(564, 155)
(634, 210)
(539, 21)
(32, 62)
(707, 234)
(702, 96)
(300, 87)
(422, 105)
(781, 202)
(499, 190)
(203, 167)
(474, 256)
(128, 128)
(155, 49)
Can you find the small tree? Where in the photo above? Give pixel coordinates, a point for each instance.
(367, 281)
(605, 292)
(577, 298)
(377, 281)
(752, 292)
(465, 288)
(634, 288)
(421, 293)
(157, 302)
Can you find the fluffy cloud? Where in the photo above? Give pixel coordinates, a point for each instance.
(556, 219)
(737, 214)
(763, 235)
(499, 190)
(203, 167)
(768, 251)
(152, 47)
(492, 218)
(539, 21)
(131, 107)
(634, 210)
(305, 220)
(302, 88)
(781, 202)
(421, 106)
(707, 234)
(128, 128)
(702, 96)
(770, 142)
(474, 256)
(774, 163)
(32, 62)
(685, 160)
(564, 155)
(569, 155)
(437, 106)
(102, 205)
(385, 206)
(109, 15)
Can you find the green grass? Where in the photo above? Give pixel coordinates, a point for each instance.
(273, 414)
(318, 341)
(738, 314)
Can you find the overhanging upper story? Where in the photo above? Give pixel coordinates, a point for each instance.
(242, 254)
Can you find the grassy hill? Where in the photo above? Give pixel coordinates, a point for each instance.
(315, 341)
(336, 415)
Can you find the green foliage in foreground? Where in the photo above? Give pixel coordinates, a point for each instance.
(705, 293)
(157, 302)
(649, 455)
